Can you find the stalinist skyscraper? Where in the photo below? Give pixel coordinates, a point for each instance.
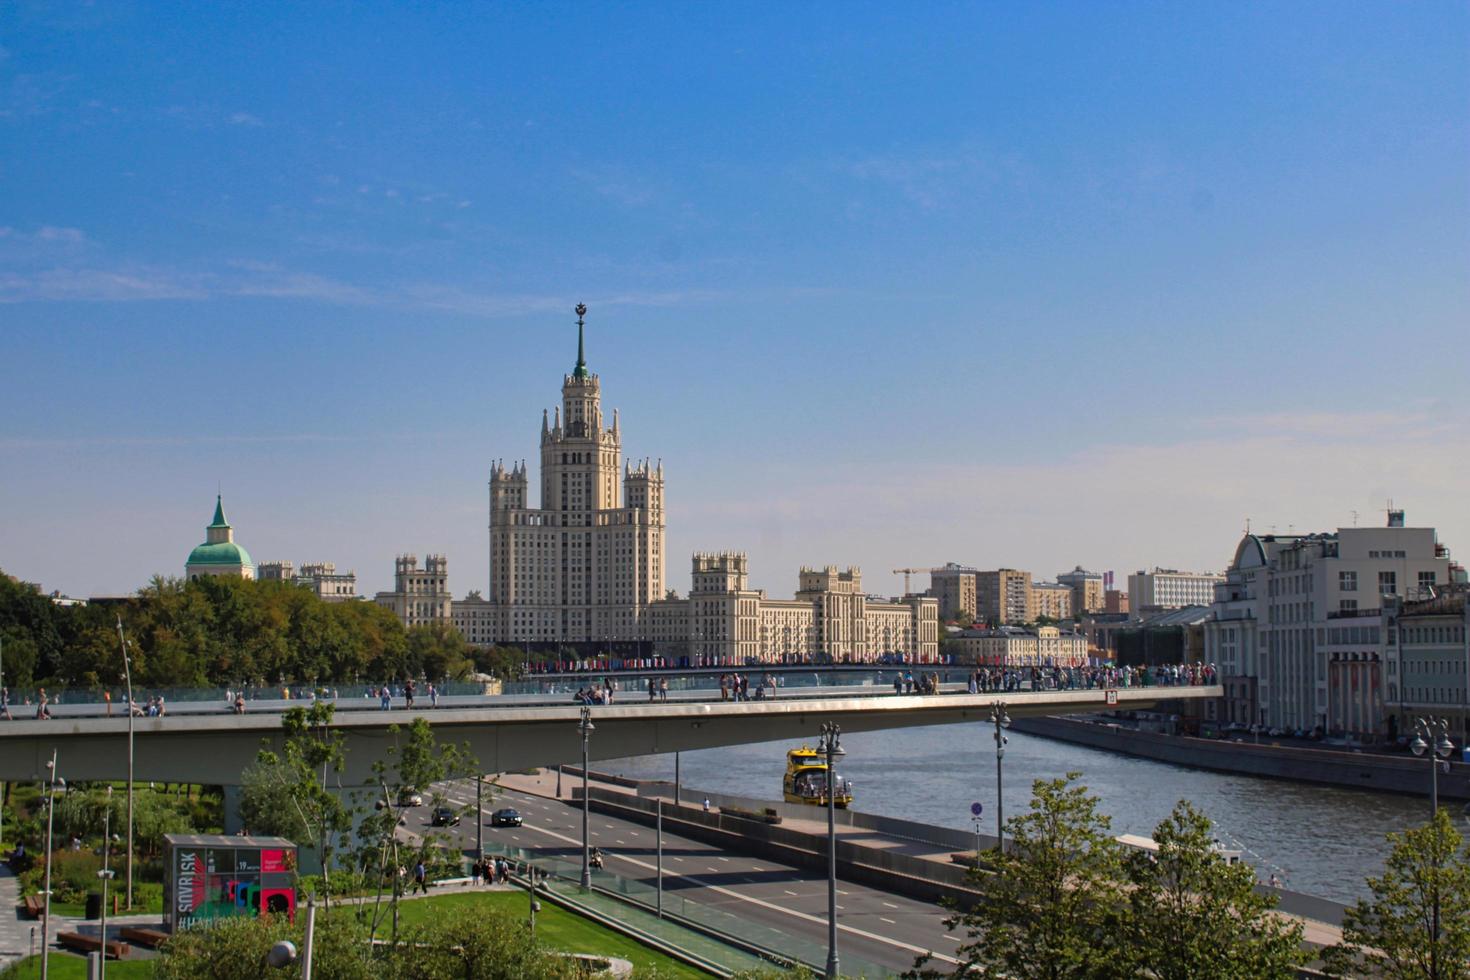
(584, 565)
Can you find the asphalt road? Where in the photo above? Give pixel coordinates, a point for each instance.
(884, 929)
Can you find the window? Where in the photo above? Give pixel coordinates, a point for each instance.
(1426, 581)
(1347, 605)
(1347, 581)
(1388, 583)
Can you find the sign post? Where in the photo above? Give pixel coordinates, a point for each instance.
(976, 809)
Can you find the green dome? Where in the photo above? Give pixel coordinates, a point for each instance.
(223, 553)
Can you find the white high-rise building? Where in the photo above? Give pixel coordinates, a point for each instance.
(584, 565)
(1169, 588)
(1299, 631)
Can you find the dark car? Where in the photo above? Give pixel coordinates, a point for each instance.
(505, 818)
(444, 816)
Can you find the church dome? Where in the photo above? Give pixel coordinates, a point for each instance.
(223, 553)
(219, 554)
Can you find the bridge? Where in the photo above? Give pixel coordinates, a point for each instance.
(215, 749)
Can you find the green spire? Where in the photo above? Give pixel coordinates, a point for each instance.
(219, 513)
(581, 369)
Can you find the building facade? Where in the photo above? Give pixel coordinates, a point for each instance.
(1428, 662)
(1009, 646)
(1087, 590)
(1169, 588)
(1003, 596)
(321, 578)
(954, 587)
(420, 596)
(1052, 600)
(1301, 627)
(830, 620)
(219, 554)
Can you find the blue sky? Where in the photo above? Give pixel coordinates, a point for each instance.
(1034, 285)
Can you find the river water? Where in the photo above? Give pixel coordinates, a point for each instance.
(1318, 839)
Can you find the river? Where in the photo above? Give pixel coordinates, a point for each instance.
(1318, 839)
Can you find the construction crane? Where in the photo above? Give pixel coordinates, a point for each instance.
(906, 572)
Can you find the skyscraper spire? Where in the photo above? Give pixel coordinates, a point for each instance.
(581, 370)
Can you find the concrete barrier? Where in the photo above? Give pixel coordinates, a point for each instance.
(904, 874)
(1354, 770)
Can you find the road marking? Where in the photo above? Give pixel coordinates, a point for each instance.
(889, 905)
(889, 921)
(726, 860)
(953, 939)
(819, 920)
(841, 892)
(677, 858)
(621, 841)
(790, 892)
(715, 870)
(840, 907)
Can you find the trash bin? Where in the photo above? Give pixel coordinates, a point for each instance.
(93, 908)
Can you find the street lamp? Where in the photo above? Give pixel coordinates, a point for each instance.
(586, 727)
(1435, 733)
(46, 910)
(128, 678)
(1001, 721)
(106, 874)
(832, 748)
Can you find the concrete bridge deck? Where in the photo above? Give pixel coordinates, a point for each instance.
(215, 749)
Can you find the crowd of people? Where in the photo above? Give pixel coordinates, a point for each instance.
(987, 679)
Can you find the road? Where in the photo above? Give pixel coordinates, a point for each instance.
(884, 929)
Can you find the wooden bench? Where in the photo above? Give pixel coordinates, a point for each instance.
(35, 906)
(92, 944)
(152, 938)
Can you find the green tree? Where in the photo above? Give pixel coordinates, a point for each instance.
(236, 948)
(289, 794)
(1416, 925)
(1051, 901)
(1194, 915)
(416, 761)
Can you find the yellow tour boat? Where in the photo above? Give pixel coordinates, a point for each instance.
(806, 779)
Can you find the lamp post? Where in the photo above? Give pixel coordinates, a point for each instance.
(1001, 721)
(106, 874)
(46, 910)
(1432, 739)
(128, 678)
(659, 867)
(832, 748)
(586, 727)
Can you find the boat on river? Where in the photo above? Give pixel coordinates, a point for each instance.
(806, 779)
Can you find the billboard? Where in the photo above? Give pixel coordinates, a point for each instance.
(213, 877)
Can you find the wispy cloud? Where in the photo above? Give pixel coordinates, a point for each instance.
(99, 284)
(245, 119)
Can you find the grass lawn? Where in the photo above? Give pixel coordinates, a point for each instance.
(558, 929)
(69, 966)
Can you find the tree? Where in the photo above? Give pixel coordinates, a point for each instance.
(1416, 925)
(235, 949)
(1051, 901)
(287, 794)
(416, 761)
(1194, 915)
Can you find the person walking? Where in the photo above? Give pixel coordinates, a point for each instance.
(663, 688)
(5, 703)
(408, 694)
(420, 878)
(385, 698)
(42, 711)
(433, 695)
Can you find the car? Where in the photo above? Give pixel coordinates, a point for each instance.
(505, 818)
(410, 797)
(444, 816)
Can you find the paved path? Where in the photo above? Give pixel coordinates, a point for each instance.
(15, 932)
